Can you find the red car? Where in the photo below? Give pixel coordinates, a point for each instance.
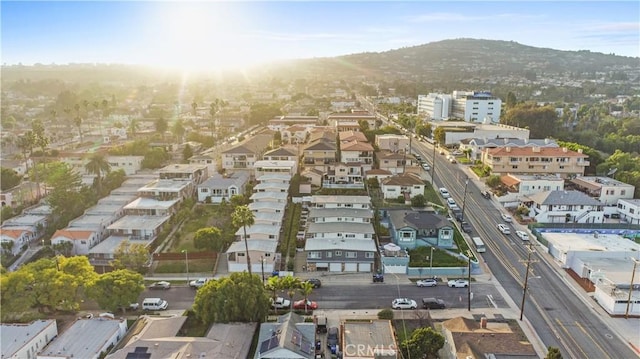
(300, 304)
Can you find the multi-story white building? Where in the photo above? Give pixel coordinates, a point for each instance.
(606, 190)
(629, 210)
(434, 106)
(26, 340)
(476, 106)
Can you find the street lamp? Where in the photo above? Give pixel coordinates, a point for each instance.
(186, 260)
(469, 254)
(464, 198)
(633, 274)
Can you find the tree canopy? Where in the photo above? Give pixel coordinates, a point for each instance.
(210, 238)
(117, 289)
(239, 297)
(424, 343)
(132, 256)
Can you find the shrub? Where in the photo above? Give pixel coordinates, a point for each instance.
(385, 314)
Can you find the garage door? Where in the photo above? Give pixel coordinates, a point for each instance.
(322, 265)
(351, 267)
(335, 267)
(364, 267)
(395, 269)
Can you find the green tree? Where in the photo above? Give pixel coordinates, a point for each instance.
(25, 144)
(187, 153)
(161, 126)
(80, 269)
(243, 217)
(178, 130)
(542, 121)
(113, 180)
(209, 238)
(52, 288)
(9, 178)
(424, 129)
(227, 299)
(155, 158)
(64, 248)
(17, 297)
(418, 201)
(424, 343)
(117, 289)
(132, 256)
(553, 353)
(65, 198)
(291, 284)
(493, 181)
(133, 128)
(439, 134)
(98, 166)
(385, 314)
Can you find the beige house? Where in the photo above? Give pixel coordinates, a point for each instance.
(393, 143)
(536, 160)
(357, 152)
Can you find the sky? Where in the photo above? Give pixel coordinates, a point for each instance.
(236, 34)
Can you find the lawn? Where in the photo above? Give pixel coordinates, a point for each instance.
(440, 258)
(202, 216)
(179, 266)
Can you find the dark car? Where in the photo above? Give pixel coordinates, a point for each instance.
(486, 194)
(378, 278)
(316, 282)
(466, 227)
(332, 339)
(432, 303)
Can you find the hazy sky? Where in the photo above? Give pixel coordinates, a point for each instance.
(208, 33)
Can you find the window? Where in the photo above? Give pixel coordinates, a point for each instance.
(351, 255)
(267, 254)
(240, 254)
(369, 255)
(338, 253)
(313, 255)
(328, 254)
(271, 236)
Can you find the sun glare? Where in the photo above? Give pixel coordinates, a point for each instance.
(198, 36)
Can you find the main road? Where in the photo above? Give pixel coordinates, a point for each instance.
(558, 315)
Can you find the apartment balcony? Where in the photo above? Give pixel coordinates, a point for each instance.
(583, 163)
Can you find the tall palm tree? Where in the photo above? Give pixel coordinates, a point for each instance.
(306, 289)
(77, 121)
(214, 108)
(291, 284)
(243, 217)
(274, 284)
(41, 140)
(98, 165)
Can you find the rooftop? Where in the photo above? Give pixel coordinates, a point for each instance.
(377, 334)
(261, 245)
(341, 227)
(83, 339)
(150, 203)
(321, 244)
(167, 185)
(139, 222)
(15, 335)
(323, 199)
(588, 242)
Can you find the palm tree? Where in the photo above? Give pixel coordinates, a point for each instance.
(77, 121)
(98, 166)
(306, 289)
(214, 108)
(292, 284)
(243, 217)
(274, 284)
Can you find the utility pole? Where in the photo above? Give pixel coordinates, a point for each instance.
(633, 274)
(526, 278)
(433, 164)
(464, 198)
(469, 254)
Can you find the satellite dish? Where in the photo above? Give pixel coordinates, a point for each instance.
(612, 171)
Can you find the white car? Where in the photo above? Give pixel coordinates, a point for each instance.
(429, 282)
(503, 228)
(444, 192)
(451, 203)
(198, 283)
(522, 235)
(280, 303)
(404, 303)
(507, 218)
(458, 283)
(426, 167)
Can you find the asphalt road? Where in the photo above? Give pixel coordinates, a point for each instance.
(178, 297)
(558, 315)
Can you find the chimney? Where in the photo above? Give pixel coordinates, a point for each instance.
(483, 322)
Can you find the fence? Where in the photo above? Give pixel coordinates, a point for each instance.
(179, 256)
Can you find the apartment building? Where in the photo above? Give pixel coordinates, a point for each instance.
(476, 106)
(560, 162)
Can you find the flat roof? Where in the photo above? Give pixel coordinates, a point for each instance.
(138, 181)
(182, 168)
(139, 222)
(588, 242)
(376, 334)
(14, 336)
(167, 185)
(125, 191)
(116, 198)
(271, 185)
(616, 269)
(340, 227)
(274, 176)
(267, 205)
(268, 216)
(27, 219)
(320, 199)
(269, 195)
(93, 220)
(321, 244)
(262, 245)
(109, 245)
(150, 203)
(259, 229)
(83, 339)
(104, 208)
(315, 212)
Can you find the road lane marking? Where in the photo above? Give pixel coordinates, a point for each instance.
(593, 340)
(564, 329)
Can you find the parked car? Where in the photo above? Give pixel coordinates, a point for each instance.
(309, 305)
(280, 303)
(466, 227)
(456, 153)
(504, 228)
(486, 194)
(378, 278)
(404, 303)
(506, 217)
(432, 303)
(429, 282)
(444, 192)
(333, 339)
(195, 284)
(316, 282)
(154, 304)
(321, 324)
(426, 167)
(522, 235)
(451, 203)
(458, 283)
(160, 285)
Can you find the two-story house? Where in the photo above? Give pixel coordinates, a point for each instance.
(244, 155)
(629, 210)
(221, 187)
(320, 154)
(196, 173)
(262, 167)
(168, 190)
(263, 254)
(564, 207)
(605, 189)
(281, 154)
(524, 185)
(146, 228)
(410, 229)
(561, 162)
(392, 143)
(279, 197)
(81, 240)
(357, 152)
(475, 146)
(13, 239)
(395, 162)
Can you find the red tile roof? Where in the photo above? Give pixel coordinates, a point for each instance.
(73, 235)
(532, 151)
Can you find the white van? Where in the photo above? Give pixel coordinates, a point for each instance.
(154, 304)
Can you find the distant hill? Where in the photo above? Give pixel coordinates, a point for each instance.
(448, 60)
(462, 58)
